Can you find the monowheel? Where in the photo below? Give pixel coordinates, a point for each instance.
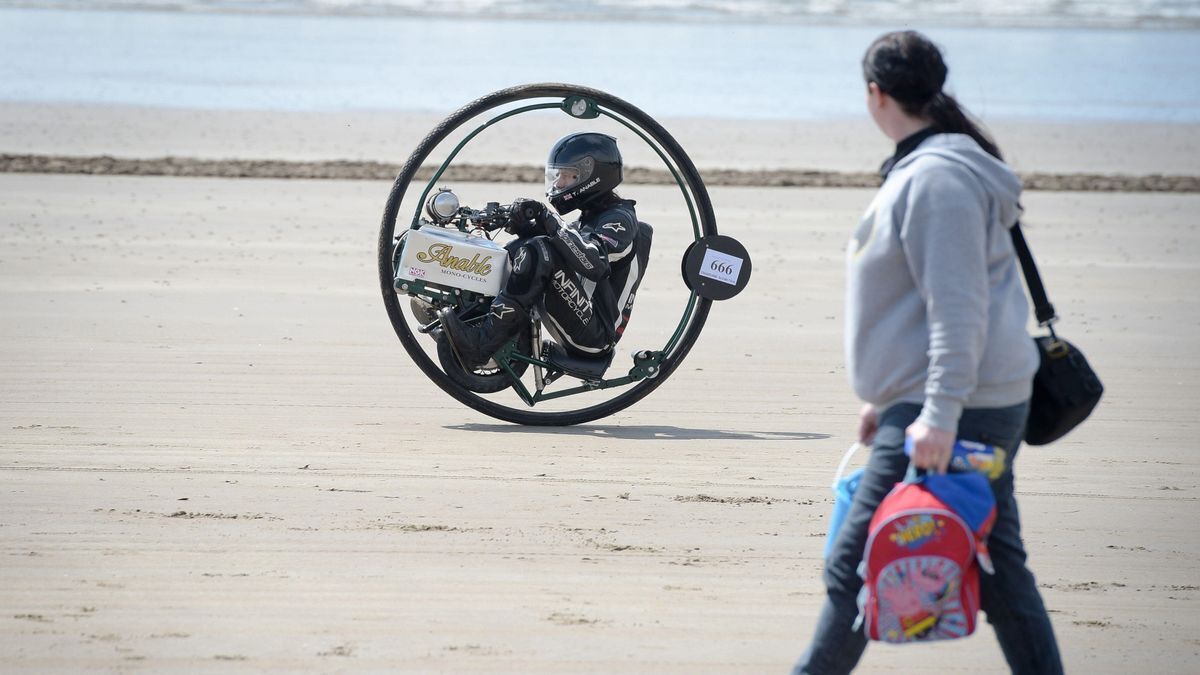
(530, 381)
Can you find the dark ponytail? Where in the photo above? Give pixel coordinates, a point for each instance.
(908, 67)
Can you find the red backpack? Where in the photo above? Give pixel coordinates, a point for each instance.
(920, 564)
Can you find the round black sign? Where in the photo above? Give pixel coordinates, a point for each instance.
(716, 267)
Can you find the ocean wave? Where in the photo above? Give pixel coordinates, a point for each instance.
(1050, 13)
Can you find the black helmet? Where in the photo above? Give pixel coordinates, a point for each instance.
(581, 167)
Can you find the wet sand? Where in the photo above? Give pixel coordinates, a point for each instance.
(217, 456)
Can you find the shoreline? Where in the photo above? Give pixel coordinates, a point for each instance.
(840, 145)
(107, 165)
(955, 20)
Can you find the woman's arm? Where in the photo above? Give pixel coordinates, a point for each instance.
(944, 235)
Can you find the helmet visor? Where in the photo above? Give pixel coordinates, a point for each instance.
(563, 177)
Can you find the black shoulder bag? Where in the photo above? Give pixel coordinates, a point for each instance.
(1065, 388)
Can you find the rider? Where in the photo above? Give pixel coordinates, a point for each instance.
(582, 277)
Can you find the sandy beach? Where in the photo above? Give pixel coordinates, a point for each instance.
(217, 457)
(851, 145)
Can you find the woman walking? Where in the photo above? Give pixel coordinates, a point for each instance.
(935, 341)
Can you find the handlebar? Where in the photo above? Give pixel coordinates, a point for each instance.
(494, 216)
(445, 210)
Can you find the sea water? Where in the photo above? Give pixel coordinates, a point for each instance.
(782, 59)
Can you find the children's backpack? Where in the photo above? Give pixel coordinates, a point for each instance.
(925, 546)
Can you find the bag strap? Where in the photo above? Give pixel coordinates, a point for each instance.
(841, 469)
(1042, 309)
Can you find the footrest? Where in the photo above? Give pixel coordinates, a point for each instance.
(583, 367)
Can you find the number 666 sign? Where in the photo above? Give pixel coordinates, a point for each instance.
(716, 267)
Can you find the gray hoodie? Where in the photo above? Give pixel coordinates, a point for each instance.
(935, 307)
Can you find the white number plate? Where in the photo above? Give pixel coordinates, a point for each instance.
(720, 266)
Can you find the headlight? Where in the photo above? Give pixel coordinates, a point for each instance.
(442, 206)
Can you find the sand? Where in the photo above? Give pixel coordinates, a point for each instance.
(216, 456)
(852, 145)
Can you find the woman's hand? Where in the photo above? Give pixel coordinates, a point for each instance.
(932, 447)
(868, 424)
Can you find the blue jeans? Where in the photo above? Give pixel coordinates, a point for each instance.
(1009, 597)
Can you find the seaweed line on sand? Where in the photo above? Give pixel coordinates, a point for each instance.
(106, 165)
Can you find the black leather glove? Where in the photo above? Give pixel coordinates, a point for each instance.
(528, 218)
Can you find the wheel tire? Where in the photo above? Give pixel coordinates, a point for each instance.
(480, 380)
(386, 246)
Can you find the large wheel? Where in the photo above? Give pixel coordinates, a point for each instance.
(676, 160)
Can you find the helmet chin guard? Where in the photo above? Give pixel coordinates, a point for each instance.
(580, 168)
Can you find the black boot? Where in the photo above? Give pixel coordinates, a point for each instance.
(475, 345)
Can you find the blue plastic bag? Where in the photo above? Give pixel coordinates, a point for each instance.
(844, 485)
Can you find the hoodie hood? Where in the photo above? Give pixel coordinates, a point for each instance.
(997, 177)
